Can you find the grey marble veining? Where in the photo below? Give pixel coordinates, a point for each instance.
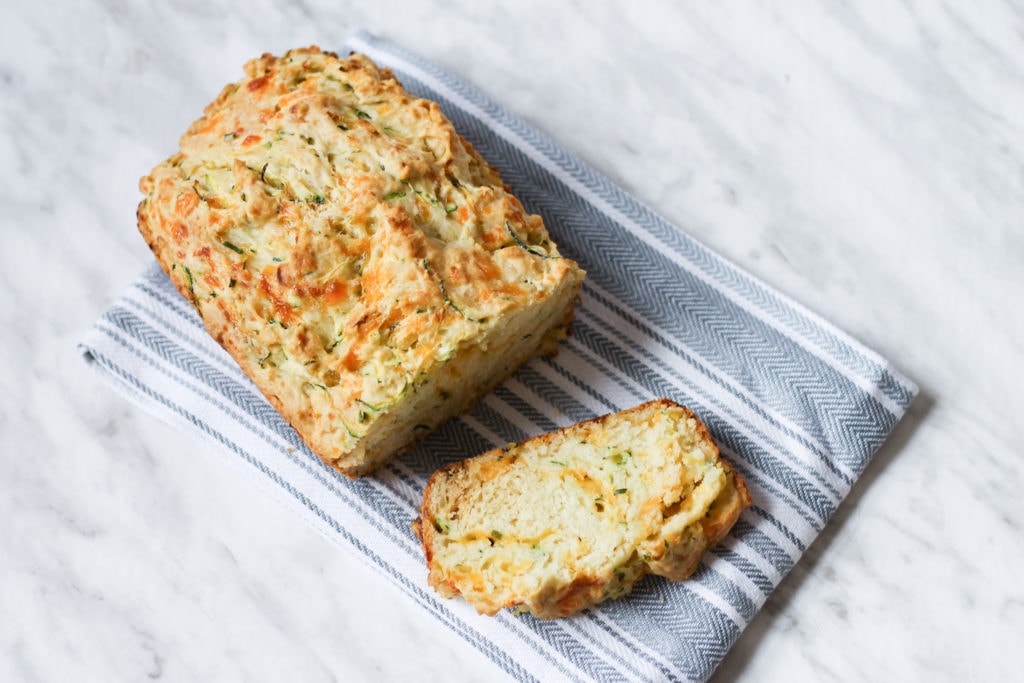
(866, 159)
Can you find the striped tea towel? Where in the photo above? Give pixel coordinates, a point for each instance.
(796, 405)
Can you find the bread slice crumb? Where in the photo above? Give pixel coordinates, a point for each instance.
(569, 519)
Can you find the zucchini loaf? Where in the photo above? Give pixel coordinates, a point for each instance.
(362, 263)
(568, 519)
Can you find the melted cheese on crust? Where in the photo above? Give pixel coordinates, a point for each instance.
(351, 250)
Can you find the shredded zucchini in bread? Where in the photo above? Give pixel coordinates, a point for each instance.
(566, 520)
(360, 261)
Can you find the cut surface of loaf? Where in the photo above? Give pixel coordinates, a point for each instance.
(568, 519)
(365, 267)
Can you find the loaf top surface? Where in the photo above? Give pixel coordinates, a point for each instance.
(570, 518)
(339, 238)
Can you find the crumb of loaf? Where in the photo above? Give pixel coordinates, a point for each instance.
(566, 520)
(362, 263)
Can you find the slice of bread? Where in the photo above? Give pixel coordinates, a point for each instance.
(363, 264)
(566, 520)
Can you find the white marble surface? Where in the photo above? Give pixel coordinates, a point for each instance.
(868, 160)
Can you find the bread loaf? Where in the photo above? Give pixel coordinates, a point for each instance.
(358, 258)
(566, 520)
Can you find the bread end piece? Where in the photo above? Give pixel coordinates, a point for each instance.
(566, 520)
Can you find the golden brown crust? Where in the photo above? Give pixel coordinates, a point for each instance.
(353, 253)
(671, 518)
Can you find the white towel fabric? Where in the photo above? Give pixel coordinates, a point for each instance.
(795, 404)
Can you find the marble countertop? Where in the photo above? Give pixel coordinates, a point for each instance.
(868, 162)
